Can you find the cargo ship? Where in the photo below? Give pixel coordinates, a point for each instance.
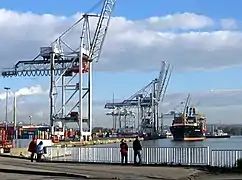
(188, 125)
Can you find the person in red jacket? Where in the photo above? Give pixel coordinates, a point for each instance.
(124, 151)
(32, 149)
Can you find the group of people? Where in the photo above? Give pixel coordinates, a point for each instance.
(35, 148)
(137, 148)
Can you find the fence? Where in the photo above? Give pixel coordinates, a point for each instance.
(222, 157)
(150, 155)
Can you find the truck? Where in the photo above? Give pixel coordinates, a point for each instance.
(5, 144)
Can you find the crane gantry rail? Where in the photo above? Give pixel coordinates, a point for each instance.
(70, 69)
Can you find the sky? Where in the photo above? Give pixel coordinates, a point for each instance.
(201, 39)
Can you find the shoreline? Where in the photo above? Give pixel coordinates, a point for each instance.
(93, 142)
(23, 152)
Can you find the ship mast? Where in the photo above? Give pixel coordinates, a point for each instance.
(187, 103)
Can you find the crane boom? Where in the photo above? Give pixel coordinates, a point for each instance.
(161, 77)
(41, 67)
(166, 86)
(101, 30)
(163, 81)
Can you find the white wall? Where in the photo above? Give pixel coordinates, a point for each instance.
(46, 142)
(24, 143)
(21, 143)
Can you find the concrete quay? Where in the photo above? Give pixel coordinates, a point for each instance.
(23, 152)
(8, 176)
(92, 171)
(98, 141)
(12, 168)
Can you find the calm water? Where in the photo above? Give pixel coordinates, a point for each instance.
(154, 155)
(229, 143)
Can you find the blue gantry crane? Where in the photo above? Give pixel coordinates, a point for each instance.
(145, 103)
(123, 119)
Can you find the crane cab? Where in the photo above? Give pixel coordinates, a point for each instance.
(75, 68)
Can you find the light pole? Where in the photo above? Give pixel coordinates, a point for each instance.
(6, 115)
(30, 120)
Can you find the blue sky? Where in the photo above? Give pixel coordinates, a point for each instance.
(136, 10)
(125, 84)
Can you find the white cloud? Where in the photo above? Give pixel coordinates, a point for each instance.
(30, 91)
(25, 91)
(229, 23)
(218, 105)
(129, 44)
(185, 21)
(209, 99)
(24, 108)
(186, 40)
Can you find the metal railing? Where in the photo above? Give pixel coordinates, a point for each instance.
(225, 158)
(150, 155)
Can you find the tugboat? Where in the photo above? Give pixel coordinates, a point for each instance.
(188, 126)
(218, 134)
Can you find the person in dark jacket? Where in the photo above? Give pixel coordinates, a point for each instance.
(137, 150)
(32, 149)
(124, 151)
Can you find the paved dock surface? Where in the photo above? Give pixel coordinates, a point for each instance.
(11, 168)
(8, 176)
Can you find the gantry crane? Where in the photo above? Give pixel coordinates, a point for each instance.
(70, 69)
(147, 101)
(123, 119)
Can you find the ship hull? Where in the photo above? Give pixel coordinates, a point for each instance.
(187, 133)
(154, 137)
(222, 136)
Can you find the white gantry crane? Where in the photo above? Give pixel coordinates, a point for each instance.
(70, 69)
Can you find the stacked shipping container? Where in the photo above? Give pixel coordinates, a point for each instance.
(33, 133)
(26, 132)
(39, 132)
(36, 132)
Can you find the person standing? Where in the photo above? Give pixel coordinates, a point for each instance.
(137, 148)
(32, 149)
(39, 151)
(124, 152)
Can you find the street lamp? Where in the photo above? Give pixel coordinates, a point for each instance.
(6, 115)
(30, 120)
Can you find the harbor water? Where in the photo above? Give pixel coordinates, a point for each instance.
(235, 142)
(216, 152)
(216, 143)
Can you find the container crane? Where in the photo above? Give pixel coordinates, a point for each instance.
(70, 69)
(147, 100)
(124, 119)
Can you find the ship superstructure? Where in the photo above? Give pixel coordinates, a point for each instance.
(188, 125)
